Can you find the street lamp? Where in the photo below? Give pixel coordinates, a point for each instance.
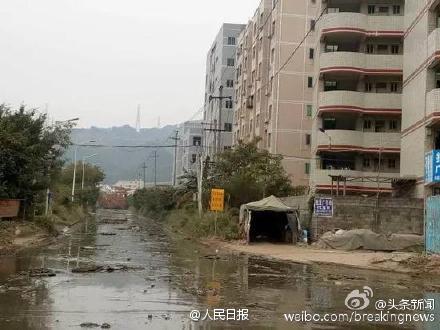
(66, 121)
(329, 137)
(74, 169)
(84, 169)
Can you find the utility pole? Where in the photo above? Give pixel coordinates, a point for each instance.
(74, 174)
(219, 127)
(155, 167)
(175, 138)
(144, 167)
(200, 170)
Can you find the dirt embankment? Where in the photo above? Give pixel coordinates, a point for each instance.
(17, 235)
(402, 262)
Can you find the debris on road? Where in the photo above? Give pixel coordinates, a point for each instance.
(104, 269)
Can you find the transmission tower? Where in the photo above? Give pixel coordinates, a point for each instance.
(138, 119)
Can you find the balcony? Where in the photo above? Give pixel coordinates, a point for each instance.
(359, 102)
(433, 105)
(323, 181)
(361, 63)
(434, 46)
(358, 141)
(367, 25)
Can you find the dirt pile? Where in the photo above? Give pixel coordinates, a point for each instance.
(423, 264)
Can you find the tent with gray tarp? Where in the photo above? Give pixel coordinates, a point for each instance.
(269, 220)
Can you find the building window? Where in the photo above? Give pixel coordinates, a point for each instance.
(383, 10)
(311, 53)
(380, 126)
(309, 110)
(394, 87)
(312, 25)
(197, 140)
(368, 87)
(367, 124)
(231, 40)
(370, 49)
(272, 55)
(228, 104)
(392, 163)
(395, 49)
(228, 127)
(310, 82)
(269, 137)
(193, 158)
(330, 85)
(366, 163)
(331, 48)
(393, 125)
(231, 62)
(308, 139)
(382, 49)
(396, 10)
(307, 168)
(371, 9)
(230, 83)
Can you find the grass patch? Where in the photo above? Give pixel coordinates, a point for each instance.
(188, 223)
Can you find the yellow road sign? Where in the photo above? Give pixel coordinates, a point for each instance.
(217, 200)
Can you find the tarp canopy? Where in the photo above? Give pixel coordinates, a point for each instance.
(271, 203)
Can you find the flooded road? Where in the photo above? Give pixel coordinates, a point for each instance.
(143, 279)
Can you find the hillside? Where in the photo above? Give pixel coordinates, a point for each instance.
(125, 164)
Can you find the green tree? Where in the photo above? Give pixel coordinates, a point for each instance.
(93, 176)
(30, 152)
(248, 174)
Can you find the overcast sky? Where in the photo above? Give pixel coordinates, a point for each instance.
(98, 59)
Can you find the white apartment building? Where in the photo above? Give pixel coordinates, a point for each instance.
(359, 65)
(274, 96)
(189, 147)
(421, 94)
(220, 72)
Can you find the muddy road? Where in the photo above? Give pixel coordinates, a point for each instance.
(125, 272)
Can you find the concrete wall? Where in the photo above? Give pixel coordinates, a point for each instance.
(396, 215)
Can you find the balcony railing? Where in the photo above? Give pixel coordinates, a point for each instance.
(360, 102)
(361, 63)
(358, 141)
(361, 24)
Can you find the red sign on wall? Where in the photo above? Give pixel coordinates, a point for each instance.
(9, 208)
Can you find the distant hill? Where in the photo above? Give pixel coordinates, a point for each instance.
(125, 164)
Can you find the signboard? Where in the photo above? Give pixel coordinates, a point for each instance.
(324, 207)
(217, 200)
(432, 167)
(9, 208)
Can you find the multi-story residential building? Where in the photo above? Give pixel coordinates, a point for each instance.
(276, 91)
(421, 93)
(189, 147)
(252, 74)
(358, 85)
(220, 72)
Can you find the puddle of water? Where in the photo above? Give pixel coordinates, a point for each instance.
(176, 277)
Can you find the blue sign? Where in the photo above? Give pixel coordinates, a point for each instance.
(324, 207)
(432, 167)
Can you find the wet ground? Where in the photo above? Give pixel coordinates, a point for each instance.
(141, 278)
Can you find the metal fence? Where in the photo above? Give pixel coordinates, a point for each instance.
(433, 225)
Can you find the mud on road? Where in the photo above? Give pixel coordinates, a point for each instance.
(126, 272)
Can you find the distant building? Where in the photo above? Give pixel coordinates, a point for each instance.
(129, 186)
(274, 96)
(220, 73)
(190, 143)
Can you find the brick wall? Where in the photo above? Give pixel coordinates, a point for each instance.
(396, 215)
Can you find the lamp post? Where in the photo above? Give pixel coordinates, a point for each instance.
(329, 137)
(74, 170)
